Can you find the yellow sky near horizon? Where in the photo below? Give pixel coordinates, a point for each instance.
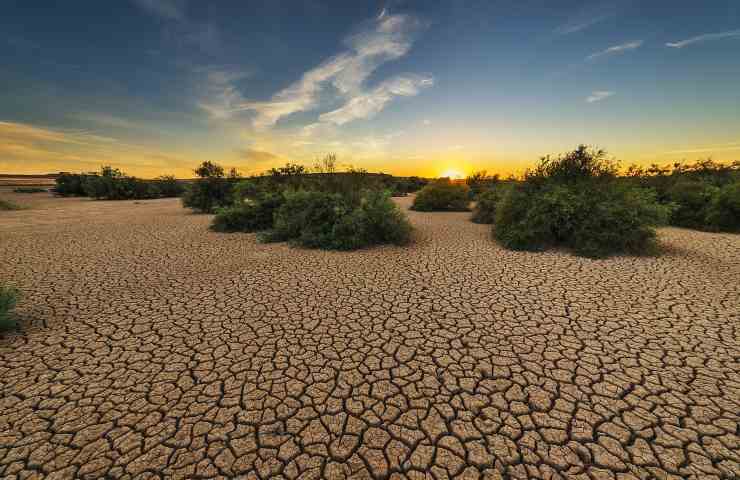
(30, 149)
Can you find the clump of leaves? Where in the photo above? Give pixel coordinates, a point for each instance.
(8, 298)
(442, 196)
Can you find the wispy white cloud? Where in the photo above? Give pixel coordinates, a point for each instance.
(599, 95)
(616, 49)
(369, 104)
(426, 122)
(106, 120)
(587, 17)
(219, 93)
(383, 39)
(703, 38)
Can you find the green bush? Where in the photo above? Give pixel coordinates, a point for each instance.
(332, 221)
(168, 186)
(442, 196)
(8, 205)
(485, 205)
(575, 201)
(251, 215)
(29, 190)
(8, 298)
(210, 191)
(71, 184)
(723, 213)
(692, 199)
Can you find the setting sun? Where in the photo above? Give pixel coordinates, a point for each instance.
(452, 174)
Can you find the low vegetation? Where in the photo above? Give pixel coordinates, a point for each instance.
(326, 209)
(29, 190)
(486, 201)
(211, 190)
(704, 195)
(8, 297)
(112, 184)
(480, 182)
(8, 205)
(576, 201)
(442, 196)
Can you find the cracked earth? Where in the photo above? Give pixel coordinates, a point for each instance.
(151, 347)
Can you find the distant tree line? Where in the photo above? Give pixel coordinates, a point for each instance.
(112, 184)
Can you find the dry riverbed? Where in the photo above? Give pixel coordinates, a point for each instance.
(151, 347)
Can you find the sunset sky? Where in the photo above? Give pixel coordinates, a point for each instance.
(404, 87)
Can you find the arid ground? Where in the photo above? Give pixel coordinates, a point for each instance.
(151, 347)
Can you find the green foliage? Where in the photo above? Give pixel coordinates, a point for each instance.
(442, 195)
(169, 186)
(331, 221)
(112, 184)
(210, 191)
(485, 205)
(250, 215)
(723, 213)
(699, 192)
(691, 199)
(29, 190)
(8, 205)
(479, 182)
(71, 184)
(575, 201)
(8, 298)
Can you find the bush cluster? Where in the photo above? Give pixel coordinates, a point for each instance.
(112, 184)
(8, 205)
(442, 196)
(328, 210)
(484, 210)
(29, 190)
(576, 201)
(211, 190)
(332, 221)
(703, 195)
(8, 298)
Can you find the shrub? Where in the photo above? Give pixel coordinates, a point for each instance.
(71, 184)
(8, 205)
(692, 199)
(29, 190)
(723, 213)
(331, 221)
(485, 205)
(442, 196)
(480, 182)
(210, 191)
(8, 298)
(249, 215)
(168, 186)
(575, 201)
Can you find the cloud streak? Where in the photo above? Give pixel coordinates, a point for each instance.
(599, 95)
(385, 38)
(616, 49)
(704, 38)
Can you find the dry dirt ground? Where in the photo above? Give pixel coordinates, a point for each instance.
(153, 348)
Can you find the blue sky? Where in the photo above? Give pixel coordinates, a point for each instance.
(155, 86)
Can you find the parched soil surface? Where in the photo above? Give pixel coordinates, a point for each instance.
(153, 348)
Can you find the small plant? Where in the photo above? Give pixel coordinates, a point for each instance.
(485, 205)
(8, 298)
(442, 196)
(249, 215)
(8, 205)
(576, 201)
(331, 221)
(29, 190)
(210, 191)
(723, 213)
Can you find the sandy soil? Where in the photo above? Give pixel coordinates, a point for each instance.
(153, 348)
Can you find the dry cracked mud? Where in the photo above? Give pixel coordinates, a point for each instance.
(153, 348)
